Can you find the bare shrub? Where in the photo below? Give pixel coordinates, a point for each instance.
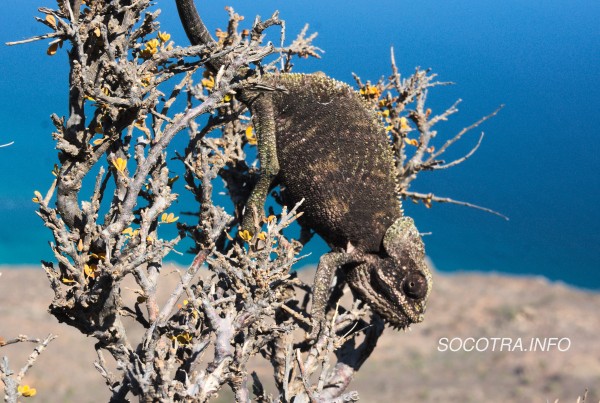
(132, 90)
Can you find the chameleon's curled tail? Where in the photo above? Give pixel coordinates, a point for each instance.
(195, 29)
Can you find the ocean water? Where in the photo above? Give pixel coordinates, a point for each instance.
(539, 163)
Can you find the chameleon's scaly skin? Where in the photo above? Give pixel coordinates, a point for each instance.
(323, 143)
(334, 154)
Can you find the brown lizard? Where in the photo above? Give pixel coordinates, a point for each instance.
(322, 142)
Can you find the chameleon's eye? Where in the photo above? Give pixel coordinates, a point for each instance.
(415, 286)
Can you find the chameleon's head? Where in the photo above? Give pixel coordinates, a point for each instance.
(397, 285)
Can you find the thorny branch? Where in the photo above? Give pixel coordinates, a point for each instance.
(132, 91)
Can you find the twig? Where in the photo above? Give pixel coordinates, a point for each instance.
(429, 197)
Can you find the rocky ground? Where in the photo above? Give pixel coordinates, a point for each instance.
(406, 366)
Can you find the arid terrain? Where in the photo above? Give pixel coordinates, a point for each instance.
(466, 312)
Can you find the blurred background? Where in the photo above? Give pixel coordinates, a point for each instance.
(539, 163)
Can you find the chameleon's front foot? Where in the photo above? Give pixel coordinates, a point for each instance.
(314, 334)
(320, 298)
(318, 327)
(251, 220)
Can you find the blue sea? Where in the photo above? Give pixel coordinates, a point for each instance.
(539, 163)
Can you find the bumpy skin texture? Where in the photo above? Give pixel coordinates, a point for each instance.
(398, 285)
(333, 153)
(323, 143)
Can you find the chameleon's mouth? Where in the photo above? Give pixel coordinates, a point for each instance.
(397, 296)
(407, 296)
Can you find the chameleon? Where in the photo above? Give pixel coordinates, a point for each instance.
(323, 143)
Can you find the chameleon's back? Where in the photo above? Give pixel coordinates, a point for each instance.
(333, 152)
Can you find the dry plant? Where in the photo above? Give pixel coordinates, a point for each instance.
(402, 106)
(13, 382)
(131, 91)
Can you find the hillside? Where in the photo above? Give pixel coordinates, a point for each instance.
(406, 366)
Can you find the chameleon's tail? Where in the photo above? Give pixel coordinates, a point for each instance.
(195, 29)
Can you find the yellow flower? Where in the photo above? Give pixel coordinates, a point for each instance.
(411, 142)
(80, 245)
(221, 35)
(184, 338)
(384, 103)
(52, 49)
(146, 80)
(370, 91)
(168, 218)
(97, 32)
(90, 270)
(262, 236)
(26, 391)
(208, 83)
(99, 141)
(120, 164)
(150, 49)
(38, 197)
(55, 170)
(271, 218)
(227, 98)
(99, 256)
(51, 20)
(163, 36)
(130, 232)
(404, 124)
(152, 44)
(250, 135)
(245, 235)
